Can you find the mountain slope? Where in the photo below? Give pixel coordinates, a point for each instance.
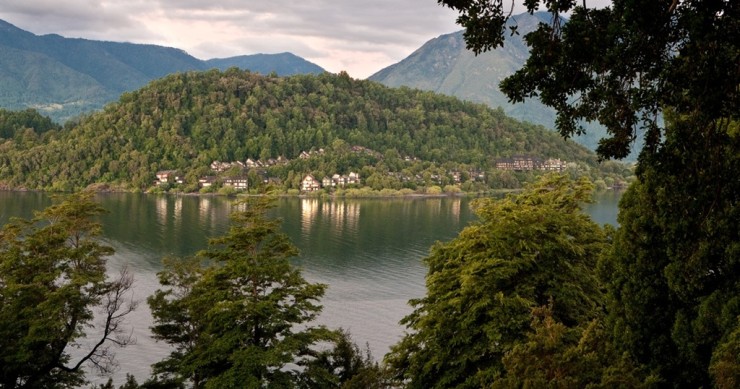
(284, 64)
(444, 65)
(63, 77)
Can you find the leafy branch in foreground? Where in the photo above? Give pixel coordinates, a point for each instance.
(52, 277)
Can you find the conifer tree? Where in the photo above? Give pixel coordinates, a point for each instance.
(238, 315)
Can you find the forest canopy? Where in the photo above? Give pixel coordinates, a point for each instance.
(188, 120)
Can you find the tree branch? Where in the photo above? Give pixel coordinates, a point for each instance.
(116, 306)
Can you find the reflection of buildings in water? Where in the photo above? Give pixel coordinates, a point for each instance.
(455, 208)
(309, 210)
(237, 206)
(330, 211)
(178, 211)
(435, 206)
(212, 211)
(352, 215)
(160, 205)
(342, 214)
(205, 210)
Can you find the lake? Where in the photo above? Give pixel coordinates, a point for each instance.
(369, 252)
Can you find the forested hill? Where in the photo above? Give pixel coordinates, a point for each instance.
(444, 65)
(64, 77)
(185, 121)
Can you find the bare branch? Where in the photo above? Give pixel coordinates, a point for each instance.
(673, 6)
(115, 306)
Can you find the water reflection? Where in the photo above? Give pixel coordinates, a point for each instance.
(369, 252)
(161, 211)
(309, 212)
(455, 206)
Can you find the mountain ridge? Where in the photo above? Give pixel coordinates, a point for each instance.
(65, 77)
(444, 65)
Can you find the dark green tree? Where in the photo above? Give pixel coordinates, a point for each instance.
(674, 272)
(244, 319)
(482, 286)
(620, 65)
(344, 365)
(725, 366)
(52, 276)
(674, 275)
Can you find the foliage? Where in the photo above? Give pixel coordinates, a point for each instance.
(526, 250)
(554, 355)
(725, 365)
(620, 65)
(344, 366)
(672, 276)
(678, 248)
(243, 320)
(15, 123)
(52, 276)
(186, 121)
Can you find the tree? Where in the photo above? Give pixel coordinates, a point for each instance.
(621, 65)
(344, 366)
(526, 250)
(725, 366)
(554, 355)
(673, 277)
(243, 319)
(674, 272)
(52, 276)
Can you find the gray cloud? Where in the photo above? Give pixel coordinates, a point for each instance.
(354, 35)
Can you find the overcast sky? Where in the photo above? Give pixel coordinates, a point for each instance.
(358, 36)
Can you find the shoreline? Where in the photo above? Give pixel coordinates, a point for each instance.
(323, 195)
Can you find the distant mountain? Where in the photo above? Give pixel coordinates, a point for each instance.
(444, 65)
(283, 64)
(64, 77)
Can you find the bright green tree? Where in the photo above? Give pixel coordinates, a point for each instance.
(244, 318)
(554, 355)
(525, 250)
(52, 276)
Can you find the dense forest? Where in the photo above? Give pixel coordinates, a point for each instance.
(186, 121)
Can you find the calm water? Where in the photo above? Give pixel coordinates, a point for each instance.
(369, 252)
